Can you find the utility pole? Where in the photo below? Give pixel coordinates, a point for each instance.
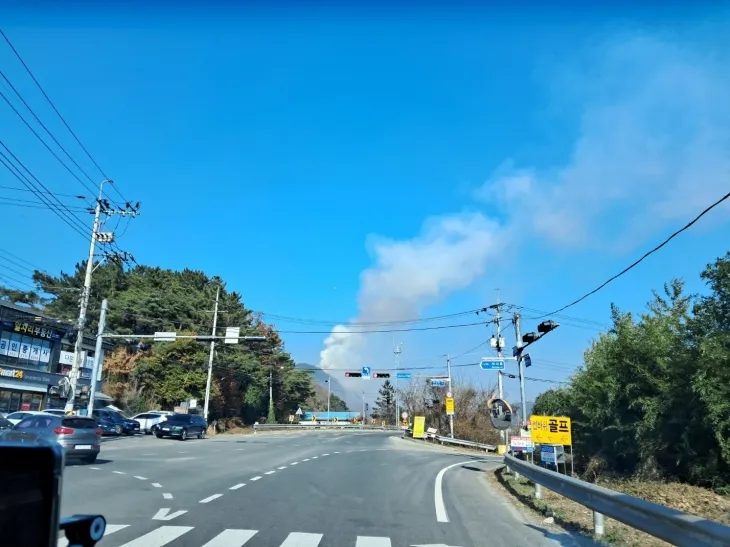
(397, 352)
(363, 410)
(210, 357)
(329, 396)
(271, 397)
(102, 207)
(517, 320)
(498, 319)
(451, 416)
(98, 355)
(84, 302)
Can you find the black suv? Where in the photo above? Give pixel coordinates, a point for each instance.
(183, 426)
(121, 424)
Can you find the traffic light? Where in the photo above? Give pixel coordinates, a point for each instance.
(530, 337)
(547, 326)
(381, 374)
(353, 374)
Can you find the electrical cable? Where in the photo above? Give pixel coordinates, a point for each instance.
(642, 258)
(63, 120)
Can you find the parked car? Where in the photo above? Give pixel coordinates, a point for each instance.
(148, 421)
(183, 426)
(6, 424)
(55, 411)
(16, 417)
(79, 436)
(121, 423)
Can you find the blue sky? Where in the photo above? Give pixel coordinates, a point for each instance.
(378, 165)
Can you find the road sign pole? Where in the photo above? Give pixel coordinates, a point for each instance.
(451, 416)
(517, 319)
(502, 434)
(210, 357)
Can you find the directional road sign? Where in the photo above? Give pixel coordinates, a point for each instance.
(491, 364)
(366, 373)
(404, 375)
(438, 383)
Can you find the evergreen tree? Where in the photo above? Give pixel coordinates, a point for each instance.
(384, 408)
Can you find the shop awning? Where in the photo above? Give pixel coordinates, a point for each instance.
(25, 386)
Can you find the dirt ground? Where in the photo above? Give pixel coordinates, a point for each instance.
(575, 518)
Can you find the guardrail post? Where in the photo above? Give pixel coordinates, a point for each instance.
(538, 491)
(598, 524)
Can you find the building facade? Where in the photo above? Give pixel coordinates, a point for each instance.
(36, 359)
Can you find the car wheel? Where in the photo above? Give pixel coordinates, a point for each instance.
(202, 434)
(90, 459)
(184, 435)
(118, 429)
(158, 435)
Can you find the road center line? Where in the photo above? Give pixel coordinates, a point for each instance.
(236, 487)
(438, 492)
(167, 496)
(269, 472)
(156, 485)
(140, 478)
(293, 463)
(305, 460)
(255, 478)
(211, 498)
(282, 467)
(119, 472)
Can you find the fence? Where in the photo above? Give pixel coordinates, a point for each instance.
(662, 522)
(313, 425)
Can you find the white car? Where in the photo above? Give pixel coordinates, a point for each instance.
(15, 417)
(55, 411)
(148, 420)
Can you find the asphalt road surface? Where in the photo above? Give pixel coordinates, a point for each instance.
(304, 489)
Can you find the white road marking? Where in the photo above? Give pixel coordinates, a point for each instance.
(140, 478)
(164, 514)
(119, 472)
(156, 485)
(239, 449)
(282, 467)
(150, 454)
(95, 468)
(438, 492)
(159, 537)
(183, 452)
(167, 496)
(381, 449)
(269, 472)
(211, 498)
(236, 487)
(336, 452)
(315, 457)
(255, 478)
(323, 455)
(363, 450)
(293, 463)
(370, 541)
(298, 539)
(231, 538)
(305, 460)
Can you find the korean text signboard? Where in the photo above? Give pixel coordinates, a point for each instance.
(551, 430)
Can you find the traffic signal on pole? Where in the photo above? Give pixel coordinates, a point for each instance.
(381, 374)
(353, 374)
(546, 326)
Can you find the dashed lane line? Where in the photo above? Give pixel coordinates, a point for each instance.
(255, 478)
(269, 472)
(237, 486)
(119, 472)
(140, 478)
(282, 467)
(156, 485)
(167, 496)
(211, 498)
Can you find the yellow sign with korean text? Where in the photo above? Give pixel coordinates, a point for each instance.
(449, 406)
(551, 430)
(419, 427)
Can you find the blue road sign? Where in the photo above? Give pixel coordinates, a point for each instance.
(404, 375)
(438, 383)
(492, 364)
(365, 373)
(527, 360)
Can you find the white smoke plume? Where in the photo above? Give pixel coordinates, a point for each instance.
(449, 254)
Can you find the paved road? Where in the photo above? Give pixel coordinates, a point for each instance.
(310, 489)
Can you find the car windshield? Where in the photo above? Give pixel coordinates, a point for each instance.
(179, 418)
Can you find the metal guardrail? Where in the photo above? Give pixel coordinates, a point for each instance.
(662, 522)
(305, 426)
(460, 442)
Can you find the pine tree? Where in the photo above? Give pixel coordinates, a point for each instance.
(384, 408)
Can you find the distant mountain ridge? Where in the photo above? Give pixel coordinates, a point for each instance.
(320, 377)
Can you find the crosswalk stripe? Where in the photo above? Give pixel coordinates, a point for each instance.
(231, 538)
(110, 529)
(159, 537)
(370, 541)
(298, 539)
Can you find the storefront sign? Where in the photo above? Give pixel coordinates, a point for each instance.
(30, 329)
(12, 373)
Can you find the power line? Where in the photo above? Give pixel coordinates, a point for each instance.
(642, 258)
(382, 330)
(289, 319)
(23, 260)
(15, 188)
(53, 106)
(21, 202)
